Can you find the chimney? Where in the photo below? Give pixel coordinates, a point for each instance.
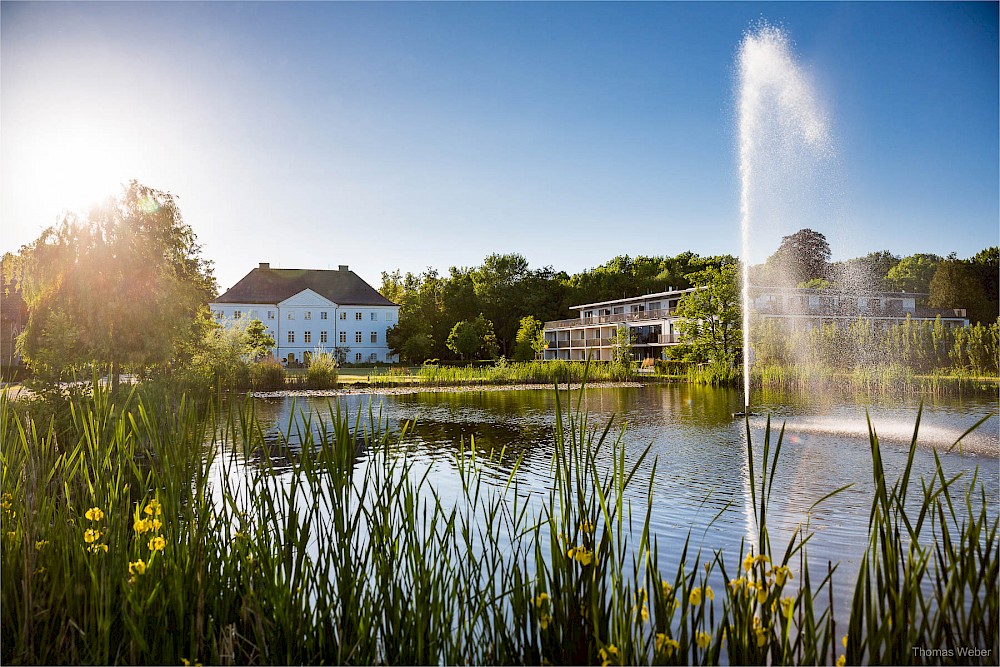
(342, 267)
(265, 265)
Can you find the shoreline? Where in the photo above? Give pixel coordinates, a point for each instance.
(399, 391)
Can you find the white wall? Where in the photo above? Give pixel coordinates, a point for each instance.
(304, 313)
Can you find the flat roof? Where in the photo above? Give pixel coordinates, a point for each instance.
(646, 297)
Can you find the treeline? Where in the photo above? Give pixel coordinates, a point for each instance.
(495, 296)
(803, 260)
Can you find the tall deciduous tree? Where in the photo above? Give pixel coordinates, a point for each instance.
(913, 273)
(126, 283)
(711, 317)
(801, 257)
(957, 284)
(471, 338)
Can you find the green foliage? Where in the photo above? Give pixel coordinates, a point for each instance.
(124, 284)
(258, 342)
(873, 357)
(913, 273)
(712, 317)
(621, 346)
(530, 341)
(862, 274)
(532, 372)
(375, 567)
(816, 283)
(801, 257)
(267, 375)
(969, 284)
(470, 338)
(410, 339)
(504, 290)
(322, 371)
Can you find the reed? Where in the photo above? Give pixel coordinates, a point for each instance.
(152, 533)
(505, 372)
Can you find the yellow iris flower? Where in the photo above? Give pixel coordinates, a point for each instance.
(94, 514)
(157, 543)
(703, 639)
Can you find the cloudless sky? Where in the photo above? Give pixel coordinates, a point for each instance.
(408, 135)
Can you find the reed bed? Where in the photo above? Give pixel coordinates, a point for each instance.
(505, 372)
(129, 537)
(882, 379)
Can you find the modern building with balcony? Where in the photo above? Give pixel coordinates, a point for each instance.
(653, 322)
(803, 309)
(650, 319)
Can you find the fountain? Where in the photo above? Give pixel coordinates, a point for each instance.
(783, 139)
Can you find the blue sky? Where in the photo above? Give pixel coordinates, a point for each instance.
(407, 135)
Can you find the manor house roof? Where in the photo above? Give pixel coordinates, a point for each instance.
(267, 285)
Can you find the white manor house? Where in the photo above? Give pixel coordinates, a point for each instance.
(653, 321)
(310, 309)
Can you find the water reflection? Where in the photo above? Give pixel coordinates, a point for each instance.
(700, 485)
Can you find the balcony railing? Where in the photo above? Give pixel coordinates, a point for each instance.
(612, 319)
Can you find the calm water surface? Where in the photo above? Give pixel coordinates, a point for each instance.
(701, 484)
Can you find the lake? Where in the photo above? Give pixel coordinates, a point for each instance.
(701, 482)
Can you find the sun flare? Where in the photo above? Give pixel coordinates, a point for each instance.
(73, 167)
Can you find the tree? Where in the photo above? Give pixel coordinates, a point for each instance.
(711, 317)
(411, 340)
(530, 339)
(621, 346)
(259, 343)
(913, 273)
(801, 257)
(464, 340)
(956, 284)
(864, 273)
(498, 286)
(129, 279)
(470, 338)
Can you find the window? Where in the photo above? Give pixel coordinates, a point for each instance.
(357, 315)
(237, 314)
(322, 336)
(357, 356)
(309, 315)
(219, 314)
(307, 337)
(357, 336)
(388, 317)
(270, 314)
(291, 315)
(373, 356)
(374, 316)
(343, 314)
(374, 336)
(291, 336)
(343, 336)
(322, 314)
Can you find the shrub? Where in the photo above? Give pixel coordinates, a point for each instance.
(322, 371)
(267, 375)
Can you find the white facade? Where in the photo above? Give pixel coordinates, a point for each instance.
(307, 322)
